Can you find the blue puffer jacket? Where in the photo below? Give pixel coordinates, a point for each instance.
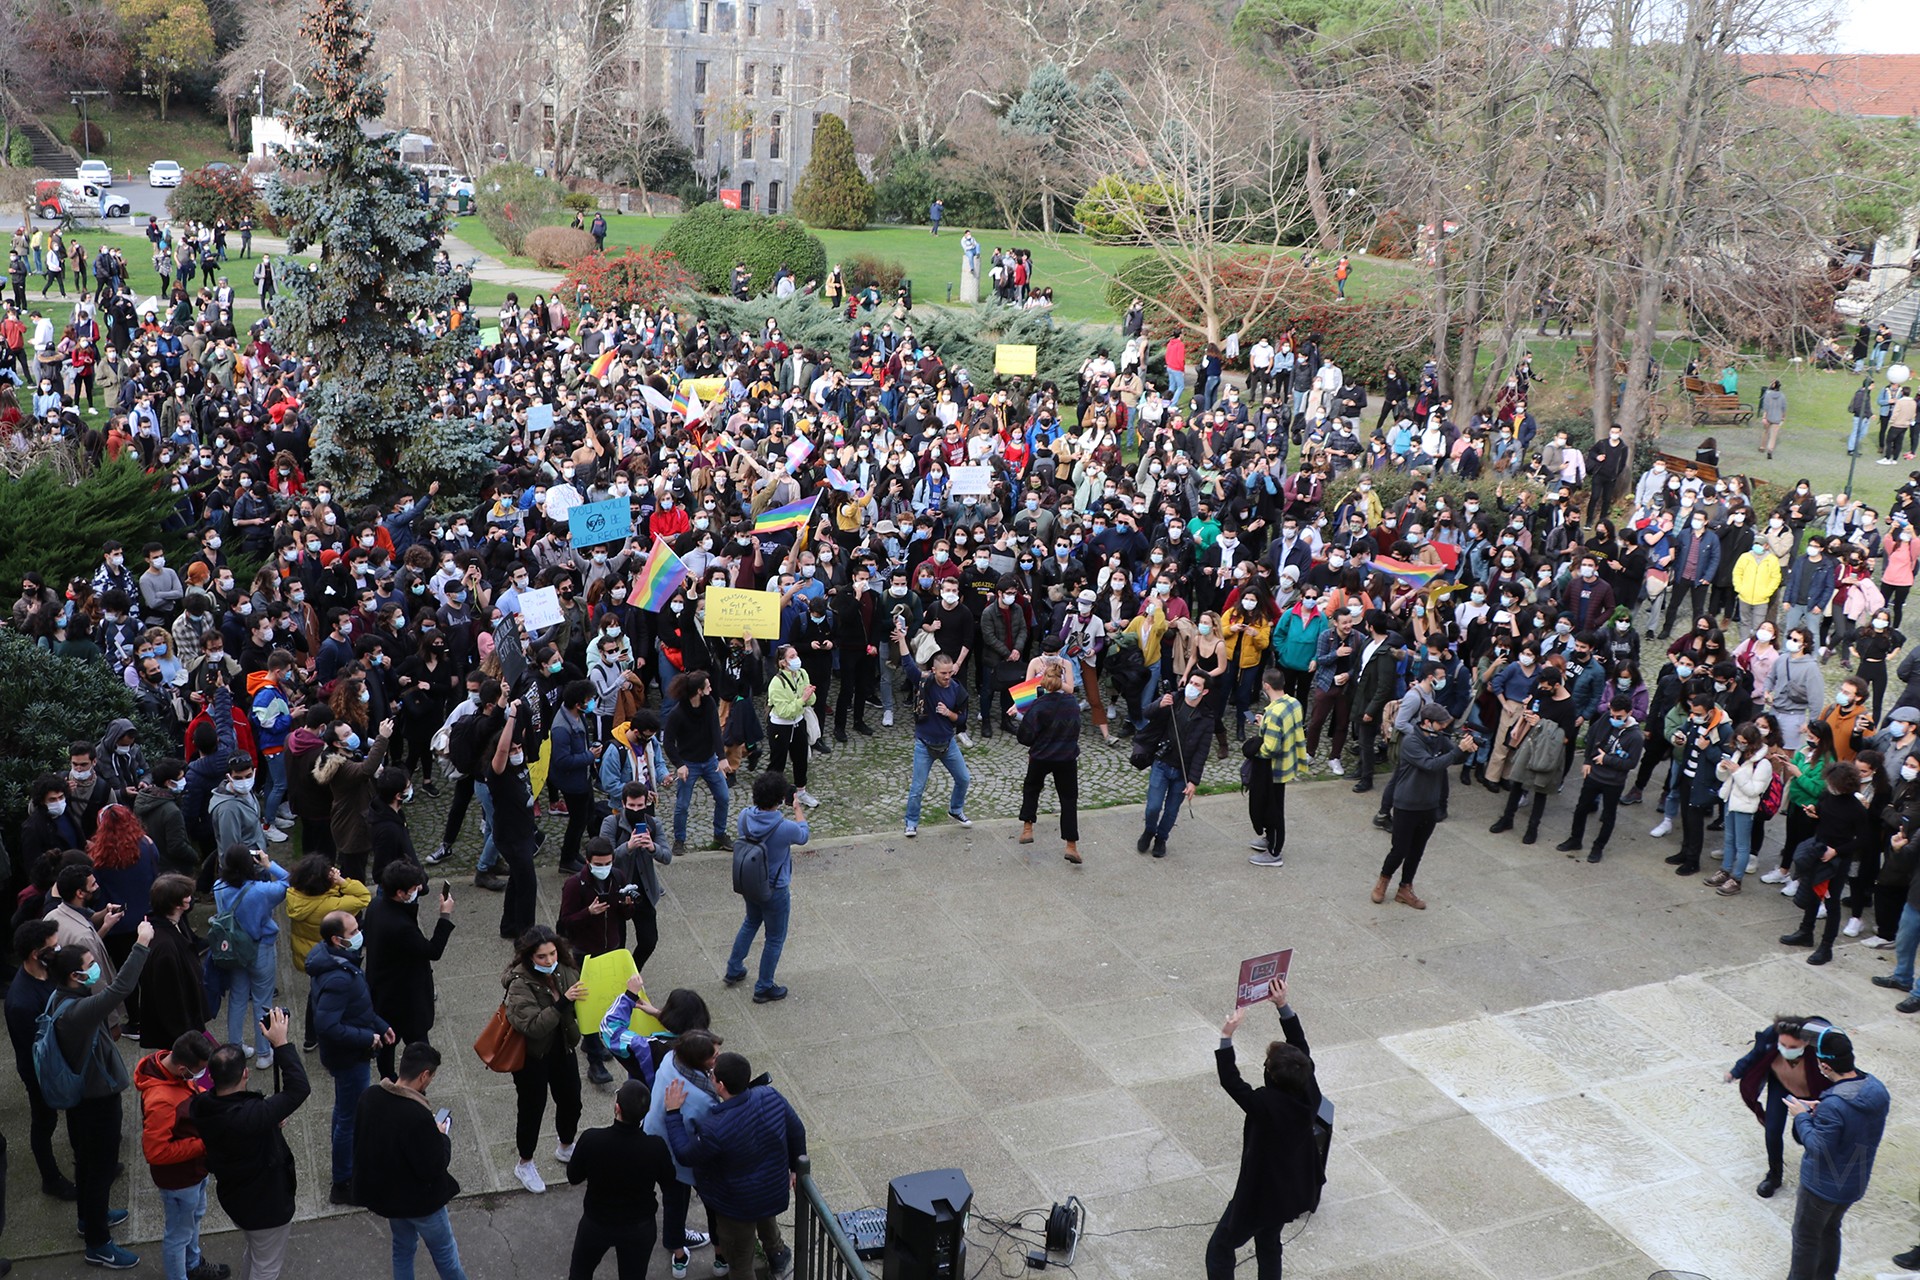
(1841, 1137)
(572, 764)
(742, 1153)
(343, 1018)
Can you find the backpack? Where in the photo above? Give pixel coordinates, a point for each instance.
(61, 1083)
(228, 945)
(752, 877)
(464, 744)
(1776, 792)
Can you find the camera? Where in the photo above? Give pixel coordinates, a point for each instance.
(630, 891)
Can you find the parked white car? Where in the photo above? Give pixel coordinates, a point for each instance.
(163, 173)
(95, 171)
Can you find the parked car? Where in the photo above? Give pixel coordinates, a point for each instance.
(96, 172)
(163, 173)
(72, 198)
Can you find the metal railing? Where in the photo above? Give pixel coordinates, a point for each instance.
(821, 1251)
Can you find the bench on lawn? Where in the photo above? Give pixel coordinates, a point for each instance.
(1707, 403)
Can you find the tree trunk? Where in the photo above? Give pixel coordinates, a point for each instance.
(1323, 228)
(1046, 205)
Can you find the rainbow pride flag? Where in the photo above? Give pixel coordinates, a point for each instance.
(1414, 575)
(598, 369)
(686, 403)
(660, 579)
(791, 516)
(1025, 692)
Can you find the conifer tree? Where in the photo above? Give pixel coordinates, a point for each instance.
(833, 192)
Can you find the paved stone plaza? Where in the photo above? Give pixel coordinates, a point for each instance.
(1527, 1074)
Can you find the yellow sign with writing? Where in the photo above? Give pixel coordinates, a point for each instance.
(732, 611)
(1016, 358)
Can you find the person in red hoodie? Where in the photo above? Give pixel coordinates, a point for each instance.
(168, 1079)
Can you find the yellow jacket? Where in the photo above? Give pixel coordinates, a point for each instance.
(304, 913)
(1756, 578)
(1250, 643)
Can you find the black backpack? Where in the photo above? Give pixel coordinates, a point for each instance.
(752, 877)
(464, 743)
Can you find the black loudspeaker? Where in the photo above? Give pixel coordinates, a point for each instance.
(927, 1226)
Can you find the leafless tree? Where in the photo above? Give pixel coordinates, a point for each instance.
(1067, 33)
(921, 64)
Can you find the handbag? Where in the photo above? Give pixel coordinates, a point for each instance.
(501, 1047)
(1656, 582)
(925, 645)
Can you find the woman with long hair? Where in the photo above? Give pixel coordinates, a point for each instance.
(347, 701)
(541, 986)
(126, 864)
(1745, 774)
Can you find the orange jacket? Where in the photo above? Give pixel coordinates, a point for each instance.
(175, 1154)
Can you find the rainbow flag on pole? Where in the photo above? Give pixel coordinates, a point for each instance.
(1414, 575)
(792, 516)
(598, 369)
(663, 575)
(686, 402)
(1025, 692)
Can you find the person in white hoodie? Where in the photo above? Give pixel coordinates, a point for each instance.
(1745, 774)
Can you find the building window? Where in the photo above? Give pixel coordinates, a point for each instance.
(779, 22)
(753, 20)
(546, 126)
(746, 196)
(513, 115)
(699, 134)
(699, 77)
(779, 85)
(773, 197)
(746, 138)
(749, 80)
(819, 81)
(773, 137)
(803, 24)
(706, 17)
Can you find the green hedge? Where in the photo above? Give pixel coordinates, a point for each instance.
(708, 240)
(55, 523)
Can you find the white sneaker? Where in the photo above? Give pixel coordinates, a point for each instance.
(1339, 770)
(886, 719)
(563, 1152)
(274, 835)
(1877, 942)
(966, 740)
(529, 1177)
(1753, 865)
(1666, 825)
(1883, 462)
(1852, 927)
(1821, 914)
(1268, 860)
(806, 798)
(1776, 876)
(1790, 888)
(285, 822)
(1257, 844)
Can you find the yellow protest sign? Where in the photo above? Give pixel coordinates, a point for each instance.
(708, 389)
(1014, 358)
(606, 978)
(734, 612)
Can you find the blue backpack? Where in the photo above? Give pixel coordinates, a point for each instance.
(61, 1083)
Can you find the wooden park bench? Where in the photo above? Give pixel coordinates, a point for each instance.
(1707, 403)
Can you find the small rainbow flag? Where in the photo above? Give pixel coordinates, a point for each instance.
(686, 403)
(1025, 692)
(1414, 575)
(791, 516)
(660, 579)
(603, 362)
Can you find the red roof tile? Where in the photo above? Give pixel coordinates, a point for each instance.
(1858, 84)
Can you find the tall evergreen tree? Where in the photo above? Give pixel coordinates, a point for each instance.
(377, 420)
(833, 192)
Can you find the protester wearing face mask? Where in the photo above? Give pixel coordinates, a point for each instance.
(1779, 1066)
(251, 886)
(542, 984)
(1848, 717)
(596, 902)
(348, 1031)
(1700, 734)
(503, 771)
(1745, 774)
(347, 770)
(1872, 648)
(1513, 685)
(1795, 687)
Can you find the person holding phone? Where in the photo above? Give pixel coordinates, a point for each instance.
(251, 886)
(400, 959)
(505, 775)
(246, 1145)
(402, 1158)
(542, 984)
(594, 910)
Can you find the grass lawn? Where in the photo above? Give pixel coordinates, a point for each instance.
(933, 263)
(136, 136)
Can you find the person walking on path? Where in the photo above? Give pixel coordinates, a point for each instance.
(765, 825)
(1280, 1167)
(402, 1157)
(1425, 757)
(623, 1167)
(1279, 757)
(939, 716)
(1050, 730)
(1839, 1133)
(1184, 734)
(247, 1151)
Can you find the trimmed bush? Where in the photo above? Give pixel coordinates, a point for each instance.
(832, 192)
(1114, 209)
(557, 248)
(862, 269)
(54, 521)
(580, 202)
(708, 240)
(633, 277)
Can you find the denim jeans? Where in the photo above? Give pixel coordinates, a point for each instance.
(489, 852)
(707, 771)
(1816, 1237)
(1859, 433)
(1176, 386)
(887, 675)
(276, 786)
(436, 1232)
(180, 1245)
(923, 758)
(774, 913)
(1166, 791)
(253, 987)
(348, 1084)
(1735, 843)
(1905, 942)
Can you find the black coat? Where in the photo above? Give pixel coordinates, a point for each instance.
(391, 841)
(400, 963)
(400, 1157)
(247, 1152)
(1280, 1173)
(173, 994)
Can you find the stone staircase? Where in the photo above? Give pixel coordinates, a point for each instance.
(49, 153)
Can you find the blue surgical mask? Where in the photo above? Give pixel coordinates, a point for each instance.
(356, 941)
(601, 873)
(546, 968)
(92, 974)
(353, 742)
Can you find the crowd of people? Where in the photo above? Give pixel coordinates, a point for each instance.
(1045, 561)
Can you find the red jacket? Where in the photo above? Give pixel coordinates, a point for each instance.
(175, 1154)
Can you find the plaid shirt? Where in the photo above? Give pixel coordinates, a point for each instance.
(1283, 738)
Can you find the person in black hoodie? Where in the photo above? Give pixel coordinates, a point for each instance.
(247, 1151)
(387, 831)
(401, 1159)
(400, 958)
(1281, 1171)
(623, 1169)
